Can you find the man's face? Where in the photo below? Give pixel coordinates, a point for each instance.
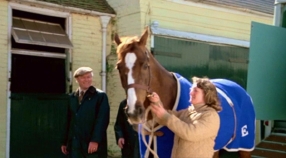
(84, 81)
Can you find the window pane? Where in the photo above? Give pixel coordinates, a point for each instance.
(30, 25)
(40, 33)
(21, 36)
(37, 37)
(18, 23)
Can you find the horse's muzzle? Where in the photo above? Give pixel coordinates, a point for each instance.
(136, 116)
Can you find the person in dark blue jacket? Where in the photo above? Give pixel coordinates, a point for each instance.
(88, 117)
(126, 136)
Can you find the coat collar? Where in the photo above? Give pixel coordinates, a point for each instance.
(89, 91)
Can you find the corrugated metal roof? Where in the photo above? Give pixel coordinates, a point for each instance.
(94, 5)
(263, 6)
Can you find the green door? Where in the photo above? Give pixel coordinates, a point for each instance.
(37, 121)
(38, 106)
(266, 82)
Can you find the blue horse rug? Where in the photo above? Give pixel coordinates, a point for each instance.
(237, 119)
(163, 144)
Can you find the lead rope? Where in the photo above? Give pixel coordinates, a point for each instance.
(151, 135)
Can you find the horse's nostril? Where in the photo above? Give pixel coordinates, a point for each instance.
(128, 114)
(140, 110)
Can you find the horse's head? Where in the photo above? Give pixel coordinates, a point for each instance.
(135, 74)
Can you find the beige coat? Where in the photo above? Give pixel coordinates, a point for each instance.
(195, 131)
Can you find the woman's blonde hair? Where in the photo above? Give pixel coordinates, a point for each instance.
(209, 89)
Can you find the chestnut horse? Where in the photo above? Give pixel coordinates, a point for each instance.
(141, 74)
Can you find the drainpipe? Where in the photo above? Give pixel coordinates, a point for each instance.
(104, 22)
(277, 13)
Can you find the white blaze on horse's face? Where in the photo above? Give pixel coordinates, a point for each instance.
(130, 60)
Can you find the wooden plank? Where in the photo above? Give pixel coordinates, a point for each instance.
(276, 138)
(169, 54)
(272, 146)
(266, 153)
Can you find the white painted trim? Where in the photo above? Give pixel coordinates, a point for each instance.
(38, 53)
(69, 53)
(228, 9)
(198, 37)
(8, 121)
(152, 41)
(280, 1)
(36, 10)
(63, 8)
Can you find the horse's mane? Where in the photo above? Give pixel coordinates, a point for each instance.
(126, 43)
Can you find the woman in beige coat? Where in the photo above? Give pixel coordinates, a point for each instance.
(196, 127)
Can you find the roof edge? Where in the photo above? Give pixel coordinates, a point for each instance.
(62, 8)
(155, 30)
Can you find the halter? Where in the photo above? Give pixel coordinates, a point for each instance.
(149, 92)
(140, 86)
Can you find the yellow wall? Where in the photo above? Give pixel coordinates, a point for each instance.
(87, 42)
(128, 17)
(128, 23)
(3, 74)
(200, 18)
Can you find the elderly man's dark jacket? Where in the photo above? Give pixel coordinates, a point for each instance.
(124, 130)
(88, 121)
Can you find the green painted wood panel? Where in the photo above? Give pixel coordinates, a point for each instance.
(36, 125)
(194, 58)
(267, 71)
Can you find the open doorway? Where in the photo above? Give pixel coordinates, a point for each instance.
(39, 84)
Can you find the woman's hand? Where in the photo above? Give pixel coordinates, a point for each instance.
(154, 97)
(157, 106)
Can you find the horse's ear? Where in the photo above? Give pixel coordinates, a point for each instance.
(117, 39)
(144, 37)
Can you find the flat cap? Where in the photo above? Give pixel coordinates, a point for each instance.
(81, 71)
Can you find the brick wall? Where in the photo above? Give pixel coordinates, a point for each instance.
(87, 41)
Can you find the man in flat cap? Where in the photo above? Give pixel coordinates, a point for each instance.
(88, 117)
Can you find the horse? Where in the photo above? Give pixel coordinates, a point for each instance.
(141, 74)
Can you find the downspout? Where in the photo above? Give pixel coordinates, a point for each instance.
(104, 22)
(277, 13)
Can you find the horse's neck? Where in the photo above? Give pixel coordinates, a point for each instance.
(164, 84)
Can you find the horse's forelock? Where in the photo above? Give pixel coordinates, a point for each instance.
(127, 45)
